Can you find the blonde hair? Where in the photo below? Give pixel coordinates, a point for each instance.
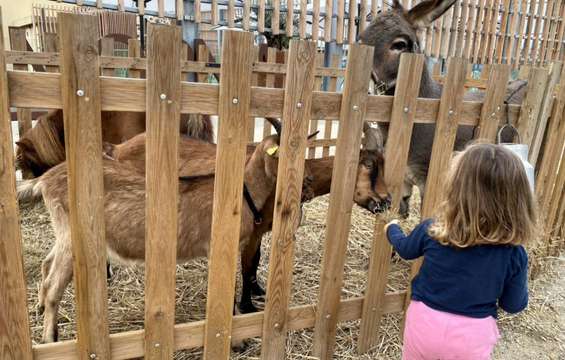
(488, 200)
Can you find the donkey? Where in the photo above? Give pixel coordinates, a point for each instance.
(393, 33)
(43, 146)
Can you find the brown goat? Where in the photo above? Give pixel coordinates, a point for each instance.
(124, 205)
(43, 146)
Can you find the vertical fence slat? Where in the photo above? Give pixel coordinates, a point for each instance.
(83, 142)
(561, 32)
(328, 124)
(555, 203)
(197, 13)
(328, 21)
(214, 10)
(540, 14)
(352, 26)
(398, 144)
(161, 208)
(340, 21)
(18, 42)
(134, 51)
(529, 33)
(300, 76)
(520, 47)
(509, 54)
(492, 109)
(471, 31)
(231, 13)
(548, 54)
(235, 75)
(502, 39)
(261, 16)
(444, 139)
(352, 115)
(531, 106)
(275, 17)
(246, 14)
(545, 110)
(161, 8)
(461, 27)
(362, 16)
(555, 141)
(179, 10)
(317, 87)
(15, 338)
(303, 13)
(316, 20)
(270, 82)
(289, 18)
(107, 49)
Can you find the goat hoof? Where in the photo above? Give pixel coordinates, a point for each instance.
(257, 290)
(247, 307)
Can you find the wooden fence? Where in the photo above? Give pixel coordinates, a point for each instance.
(161, 337)
(482, 31)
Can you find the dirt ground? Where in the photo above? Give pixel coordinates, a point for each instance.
(538, 333)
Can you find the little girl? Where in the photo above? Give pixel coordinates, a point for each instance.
(474, 261)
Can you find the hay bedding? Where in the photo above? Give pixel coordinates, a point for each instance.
(125, 291)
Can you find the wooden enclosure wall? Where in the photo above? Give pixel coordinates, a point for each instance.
(482, 31)
(350, 109)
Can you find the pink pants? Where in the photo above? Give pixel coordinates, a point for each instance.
(436, 335)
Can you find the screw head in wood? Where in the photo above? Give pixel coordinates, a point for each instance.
(218, 335)
(328, 316)
(81, 93)
(299, 105)
(355, 108)
(406, 109)
(374, 309)
(235, 101)
(163, 97)
(93, 356)
(157, 345)
(277, 325)
(450, 112)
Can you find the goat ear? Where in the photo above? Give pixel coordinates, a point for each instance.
(428, 11)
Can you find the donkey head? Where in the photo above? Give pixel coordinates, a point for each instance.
(395, 32)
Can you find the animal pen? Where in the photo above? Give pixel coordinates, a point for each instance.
(81, 91)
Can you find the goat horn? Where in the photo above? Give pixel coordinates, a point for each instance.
(276, 124)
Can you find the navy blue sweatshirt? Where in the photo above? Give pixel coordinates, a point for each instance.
(469, 281)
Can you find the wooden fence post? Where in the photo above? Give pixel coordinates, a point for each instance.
(493, 102)
(352, 115)
(300, 76)
(134, 51)
(80, 89)
(444, 139)
(18, 42)
(328, 124)
(531, 106)
(234, 113)
(161, 209)
(545, 110)
(398, 144)
(107, 49)
(15, 338)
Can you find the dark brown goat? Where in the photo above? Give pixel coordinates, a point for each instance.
(393, 33)
(43, 146)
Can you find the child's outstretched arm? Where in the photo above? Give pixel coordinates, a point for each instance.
(411, 246)
(514, 296)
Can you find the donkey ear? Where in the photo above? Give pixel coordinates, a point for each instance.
(428, 11)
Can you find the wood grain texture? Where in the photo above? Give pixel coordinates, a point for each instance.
(107, 49)
(398, 145)
(286, 218)
(302, 25)
(83, 142)
(549, 95)
(318, 82)
(531, 106)
(444, 140)
(275, 17)
(261, 17)
(494, 102)
(41, 90)
(552, 151)
(134, 50)
(127, 345)
(352, 115)
(328, 124)
(179, 9)
(15, 337)
(161, 186)
(289, 18)
(328, 21)
(316, 20)
(340, 28)
(237, 55)
(18, 42)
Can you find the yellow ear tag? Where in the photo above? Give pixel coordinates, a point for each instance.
(273, 150)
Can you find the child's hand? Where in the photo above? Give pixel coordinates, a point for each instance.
(395, 221)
